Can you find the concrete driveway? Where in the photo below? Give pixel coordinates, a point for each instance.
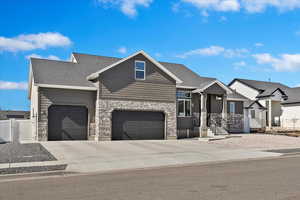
(89, 156)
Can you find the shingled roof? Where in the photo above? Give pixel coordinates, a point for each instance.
(265, 88)
(67, 73)
(293, 95)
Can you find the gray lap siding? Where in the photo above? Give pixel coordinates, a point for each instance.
(51, 96)
(119, 83)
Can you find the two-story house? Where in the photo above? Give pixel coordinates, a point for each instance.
(138, 98)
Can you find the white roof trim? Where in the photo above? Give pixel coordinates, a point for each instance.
(185, 87)
(66, 87)
(73, 59)
(236, 99)
(96, 74)
(30, 81)
(217, 82)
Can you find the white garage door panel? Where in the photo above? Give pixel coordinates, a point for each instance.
(290, 117)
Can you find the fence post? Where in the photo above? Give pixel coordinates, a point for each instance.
(11, 130)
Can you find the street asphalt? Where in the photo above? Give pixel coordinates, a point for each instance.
(266, 179)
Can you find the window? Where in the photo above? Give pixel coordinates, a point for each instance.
(184, 107)
(183, 103)
(181, 112)
(140, 69)
(183, 95)
(252, 112)
(232, 107)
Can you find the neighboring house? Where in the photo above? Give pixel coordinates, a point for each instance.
(272, 105)
(106, 98)
(14, 114)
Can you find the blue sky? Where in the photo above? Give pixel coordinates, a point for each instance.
(226, 39)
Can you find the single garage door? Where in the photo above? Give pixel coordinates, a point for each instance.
(132, 125)
(67, 123)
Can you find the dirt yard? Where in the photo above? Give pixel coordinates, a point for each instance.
(260, 141)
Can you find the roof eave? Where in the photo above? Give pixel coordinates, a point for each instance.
(293, 102)
(199, 90)
(30, 81)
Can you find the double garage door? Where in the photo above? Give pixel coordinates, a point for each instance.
(71, 123)
(134, 125)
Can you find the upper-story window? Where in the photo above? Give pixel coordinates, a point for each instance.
(183, 103)
(140, 70)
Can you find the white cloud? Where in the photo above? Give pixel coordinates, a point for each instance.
(258, 44)
(218, 5)
(128, 7)
(6, 85)
(210, 51)
(240, 64)
(230, 53)
(122, 50)
(255, 6)
(50, 57)
(33, 41)
(264, 58)
(223, 19)
(285, 62)
(158, 55)
(215, 51)
(250, 6)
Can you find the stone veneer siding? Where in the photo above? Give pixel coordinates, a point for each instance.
(105, 108)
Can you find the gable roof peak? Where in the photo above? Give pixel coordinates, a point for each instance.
(159, 65)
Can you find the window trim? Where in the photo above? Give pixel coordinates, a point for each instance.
(135, 70)
(184, 97)
(184, 110)
(251, 111)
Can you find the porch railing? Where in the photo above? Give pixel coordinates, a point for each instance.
(231, 123)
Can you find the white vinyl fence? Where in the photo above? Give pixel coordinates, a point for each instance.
(292, 123)
(16, 131)
(5, 131)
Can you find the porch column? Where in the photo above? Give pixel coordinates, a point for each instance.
(203, 122)
(97, 117)
(270, 114)
(224, 110)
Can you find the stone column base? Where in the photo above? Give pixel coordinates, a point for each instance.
(203, 132)
(104, 139)
(171, 137)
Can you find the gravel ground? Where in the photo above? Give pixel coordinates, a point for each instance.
(260, 141)
(16, 153)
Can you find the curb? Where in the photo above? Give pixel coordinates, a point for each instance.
(17, 168)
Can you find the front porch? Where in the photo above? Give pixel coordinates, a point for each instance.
(211, 113)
